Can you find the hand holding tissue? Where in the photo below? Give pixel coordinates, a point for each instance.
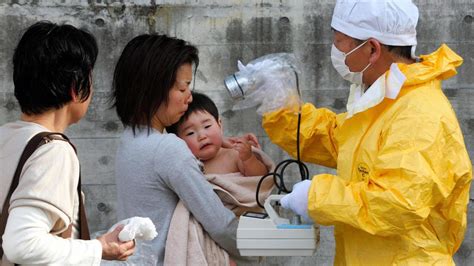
(140, 228)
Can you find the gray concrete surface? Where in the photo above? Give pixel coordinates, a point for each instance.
(226, 31)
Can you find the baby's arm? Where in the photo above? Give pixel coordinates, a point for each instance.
(248, 163)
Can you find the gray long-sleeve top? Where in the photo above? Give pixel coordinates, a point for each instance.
(153, 172)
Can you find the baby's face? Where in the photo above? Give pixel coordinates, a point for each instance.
(203, 134)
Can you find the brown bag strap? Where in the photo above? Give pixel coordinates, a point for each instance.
(83, 226)
(35, 142)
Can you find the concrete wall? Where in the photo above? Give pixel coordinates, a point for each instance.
(225, 31)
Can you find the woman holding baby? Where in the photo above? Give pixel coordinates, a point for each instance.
(156, 170)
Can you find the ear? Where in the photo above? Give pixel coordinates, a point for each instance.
(75, 97)
(375, 50)
(219, 122)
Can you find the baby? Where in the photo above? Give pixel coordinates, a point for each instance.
(201, 128)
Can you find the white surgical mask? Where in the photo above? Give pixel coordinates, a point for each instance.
(387, 85)
(338, 59)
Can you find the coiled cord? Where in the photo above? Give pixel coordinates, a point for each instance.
(279, 172)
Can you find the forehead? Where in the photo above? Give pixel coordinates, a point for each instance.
(201, 114)
(185, 72)
(197, 116)
(341, 37)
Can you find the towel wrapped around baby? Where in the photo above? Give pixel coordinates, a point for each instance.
(188, 244)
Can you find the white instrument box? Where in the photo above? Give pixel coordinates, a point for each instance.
(260, 234)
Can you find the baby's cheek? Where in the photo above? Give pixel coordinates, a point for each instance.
(193, 146)
(195, 150)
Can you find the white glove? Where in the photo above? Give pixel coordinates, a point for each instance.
(297, 200)
(141, 228)
(272, 83)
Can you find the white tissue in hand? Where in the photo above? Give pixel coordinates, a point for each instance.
(141, 228)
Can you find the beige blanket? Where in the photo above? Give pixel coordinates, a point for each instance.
(188, 244)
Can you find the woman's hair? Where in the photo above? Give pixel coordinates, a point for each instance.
(144, 75)
(49, 62)
(200, 103)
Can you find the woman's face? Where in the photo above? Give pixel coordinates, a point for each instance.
(178, 99)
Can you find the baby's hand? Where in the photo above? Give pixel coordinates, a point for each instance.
(249, 164)
(243, 147)
(249, 137)
(252, 139)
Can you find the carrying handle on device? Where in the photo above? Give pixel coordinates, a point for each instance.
(271, 212)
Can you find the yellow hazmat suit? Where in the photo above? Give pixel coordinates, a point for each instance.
(403, 173)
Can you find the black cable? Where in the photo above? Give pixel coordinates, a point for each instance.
(279, 173)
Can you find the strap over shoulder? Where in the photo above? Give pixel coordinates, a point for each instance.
(37, 141)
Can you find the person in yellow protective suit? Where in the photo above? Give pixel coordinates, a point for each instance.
(403, 173)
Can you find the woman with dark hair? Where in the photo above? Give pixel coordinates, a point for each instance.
(154, 170)
(52, 73)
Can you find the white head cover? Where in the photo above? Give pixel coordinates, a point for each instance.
(392, 22)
